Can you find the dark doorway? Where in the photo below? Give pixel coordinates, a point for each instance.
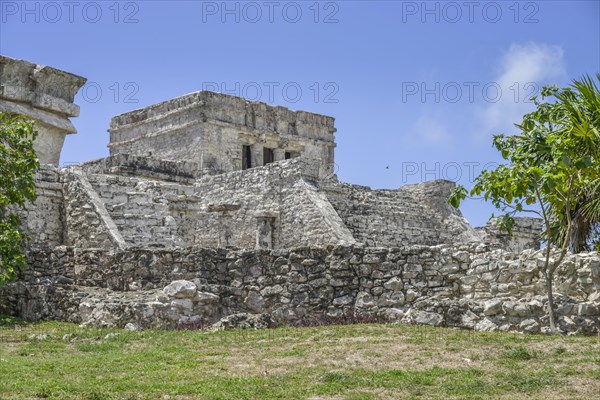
(246, 157)
(268, 156)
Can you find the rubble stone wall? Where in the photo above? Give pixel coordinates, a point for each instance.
(526, 234)
(465, 286)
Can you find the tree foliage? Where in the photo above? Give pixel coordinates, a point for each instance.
(582, 103)
(552, 170)
(594, 239)
(18, 163)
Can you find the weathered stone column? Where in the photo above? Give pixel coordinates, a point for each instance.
(257, 155)
(279, 154)
(45, 95)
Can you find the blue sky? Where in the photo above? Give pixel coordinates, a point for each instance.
(417, 88)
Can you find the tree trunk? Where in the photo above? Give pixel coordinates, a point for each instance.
(579, 234)
(550, 310)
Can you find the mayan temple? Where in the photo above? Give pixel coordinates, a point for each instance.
(213, 208)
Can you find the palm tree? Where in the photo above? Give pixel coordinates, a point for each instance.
(581, 115)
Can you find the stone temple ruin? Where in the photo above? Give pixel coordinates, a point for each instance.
(212, 209)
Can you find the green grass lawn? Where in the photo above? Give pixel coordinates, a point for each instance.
(331, 362)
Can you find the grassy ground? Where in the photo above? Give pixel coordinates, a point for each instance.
(332, 362)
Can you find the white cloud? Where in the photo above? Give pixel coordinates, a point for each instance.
(524, 69)
(427, 130)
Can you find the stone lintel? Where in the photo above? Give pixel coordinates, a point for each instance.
(266, 214)
(223, 207)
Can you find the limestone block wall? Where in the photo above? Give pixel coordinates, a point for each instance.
(412, 214)
(43, 221)
(211, 129)
(500, 273)
(226, 207)
(466, 286)
(166, 146)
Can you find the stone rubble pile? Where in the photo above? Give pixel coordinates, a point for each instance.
(179, 303)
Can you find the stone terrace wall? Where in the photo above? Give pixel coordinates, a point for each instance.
(45, 289)
(106, 210)
(412, 214)
(464, 286)
(109, 203)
